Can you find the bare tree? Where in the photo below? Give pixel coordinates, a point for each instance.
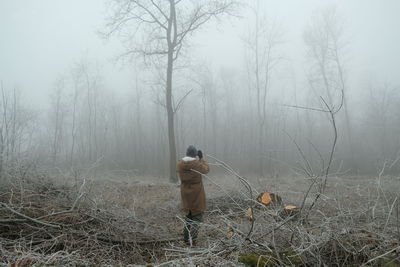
(165, 27)
(209, 98)
(57, 114)
(91, 83)
(139, 133)
(382, 119)
(3, 129)
(74, 114)
(262, 44)
(15, 128)
(325, 39)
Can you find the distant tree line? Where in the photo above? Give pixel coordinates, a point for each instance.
(259, 117)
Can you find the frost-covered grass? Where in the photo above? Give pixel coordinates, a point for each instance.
(122, 213)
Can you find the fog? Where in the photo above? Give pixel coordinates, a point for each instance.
(267, 99)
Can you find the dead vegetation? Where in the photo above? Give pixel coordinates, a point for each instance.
(43, 222)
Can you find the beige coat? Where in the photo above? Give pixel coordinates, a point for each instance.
(192, 189)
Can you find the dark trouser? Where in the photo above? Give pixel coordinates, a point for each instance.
(192, 226)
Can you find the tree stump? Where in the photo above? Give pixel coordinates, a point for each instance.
(269, 199)
(289, 211)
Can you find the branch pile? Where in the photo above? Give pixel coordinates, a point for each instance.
(47, 224)
(41, 223)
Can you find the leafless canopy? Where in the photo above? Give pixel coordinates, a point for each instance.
(151, 27)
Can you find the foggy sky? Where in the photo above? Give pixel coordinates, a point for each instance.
(41, 39)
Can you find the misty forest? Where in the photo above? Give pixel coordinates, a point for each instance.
(293, 109)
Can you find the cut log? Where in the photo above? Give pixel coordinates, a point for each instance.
(229, 234)
(249, 214)
(269, 199)
(289, 211)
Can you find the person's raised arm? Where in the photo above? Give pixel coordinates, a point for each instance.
(202, 166)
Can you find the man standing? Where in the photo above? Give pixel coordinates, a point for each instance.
(193, 196)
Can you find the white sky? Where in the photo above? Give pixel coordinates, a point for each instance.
(41, 39)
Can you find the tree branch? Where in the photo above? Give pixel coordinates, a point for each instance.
(180, 102)
(27, 217)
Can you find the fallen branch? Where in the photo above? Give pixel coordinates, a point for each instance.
(381, 256)
(29, 218)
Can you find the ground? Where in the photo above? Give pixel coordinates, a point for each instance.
(124, 219)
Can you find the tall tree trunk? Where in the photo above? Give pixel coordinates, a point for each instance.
(170, 113)
(56, 130)
(2, 134)
(346, 111)
(73, 126)
(139, 135)
(171, 39)
(204, 97)
(89, 125)
(14, 128)
(258, 88)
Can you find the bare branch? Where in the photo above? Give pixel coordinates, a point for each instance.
(27, 217)
(178, 105)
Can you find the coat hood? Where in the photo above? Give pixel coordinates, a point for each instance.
(188, 163)
(187, 158)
